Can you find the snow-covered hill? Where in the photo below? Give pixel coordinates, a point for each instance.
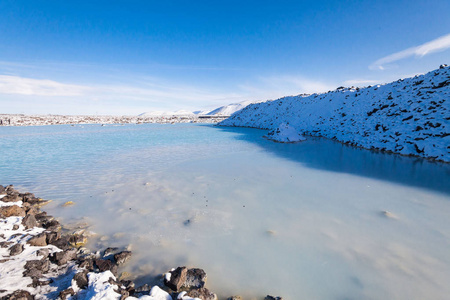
(228, 110)
(409, 116)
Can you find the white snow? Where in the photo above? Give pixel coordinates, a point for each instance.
(11, 271)
(167, 276)
(18, 203)
(409, 116)
(100, 288)
(285, 134)
(229, 109)
(183, 296)
(156, 293)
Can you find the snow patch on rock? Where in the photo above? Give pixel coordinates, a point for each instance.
(285, 134)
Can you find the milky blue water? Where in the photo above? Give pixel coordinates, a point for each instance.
(303, 221)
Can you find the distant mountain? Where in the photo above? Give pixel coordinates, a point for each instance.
(409, 116)
(229, 109)
(200, 112)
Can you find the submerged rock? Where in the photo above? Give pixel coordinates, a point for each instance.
(68, 203)
(268, 297)
(77, 240)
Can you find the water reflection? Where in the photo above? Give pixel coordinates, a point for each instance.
(325, 154)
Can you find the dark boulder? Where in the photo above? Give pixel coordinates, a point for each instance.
(177, 278)
(195, 278)
(202, 293)
(143, 289)
(5, 244)
(122, 257)
(29, 221)
(52, 237)
(51, 225)
(63, 257)
(81, 279)
(128, 285)
(62, 242)
(77, 240)
(11, 198)
(19, 295)
(106, 265)
(87, 264)
(110, 250)
(43, 252)
(268, 297)
(16, 249)
(40, 282)
(66, 293)
(12, 211)
(38, 240)
(35, 268)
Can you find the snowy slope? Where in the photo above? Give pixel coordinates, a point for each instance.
(229, 109)
(410, 116)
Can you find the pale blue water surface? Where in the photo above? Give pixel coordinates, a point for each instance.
(303, 221)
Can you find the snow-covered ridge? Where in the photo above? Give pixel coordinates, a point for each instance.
(409, 116)
(228, 110)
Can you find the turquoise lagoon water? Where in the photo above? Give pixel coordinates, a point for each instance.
(303, 221)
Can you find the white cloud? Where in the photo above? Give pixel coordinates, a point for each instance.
(273, 87)
(440, 44)
(142, 93)
(38, 87)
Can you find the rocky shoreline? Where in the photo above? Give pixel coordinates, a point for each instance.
(39, 120)
(38, 260)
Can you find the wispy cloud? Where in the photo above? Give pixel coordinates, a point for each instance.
(145, 94)
(440, 44)
(38, 87)
(272, 87)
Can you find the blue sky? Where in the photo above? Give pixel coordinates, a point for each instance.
(128, 57)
